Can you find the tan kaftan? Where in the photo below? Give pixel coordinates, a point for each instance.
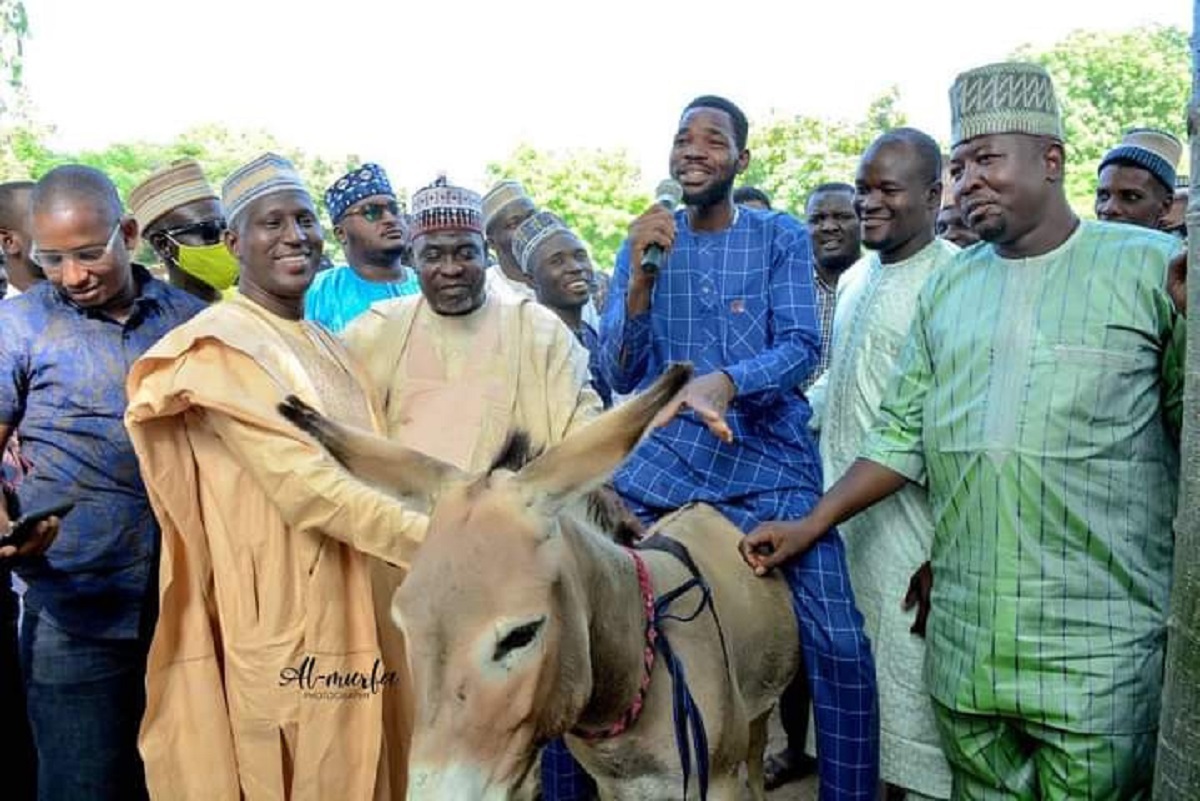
(264, 590)
(455, 387)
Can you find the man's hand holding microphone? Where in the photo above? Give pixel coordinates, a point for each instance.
(650, 239)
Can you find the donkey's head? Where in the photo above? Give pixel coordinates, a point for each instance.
(492, 608)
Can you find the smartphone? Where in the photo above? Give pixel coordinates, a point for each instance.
(24, 525)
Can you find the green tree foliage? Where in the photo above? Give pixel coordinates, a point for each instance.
(218, 150)
(14, 29)
(1108, 83)
(597, 192)
(789, 156)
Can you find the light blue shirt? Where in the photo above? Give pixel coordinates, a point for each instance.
(338, 296)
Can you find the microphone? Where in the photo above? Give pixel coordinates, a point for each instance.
(668, 193)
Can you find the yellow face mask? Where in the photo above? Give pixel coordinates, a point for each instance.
(212, 264)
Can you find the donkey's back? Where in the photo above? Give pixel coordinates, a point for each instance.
(756, 615)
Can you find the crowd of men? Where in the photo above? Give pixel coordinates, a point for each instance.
(960, 449)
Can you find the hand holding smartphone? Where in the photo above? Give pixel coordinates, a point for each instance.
(25, 525)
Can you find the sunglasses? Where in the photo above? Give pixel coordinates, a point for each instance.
(209, 232)
(373, 212)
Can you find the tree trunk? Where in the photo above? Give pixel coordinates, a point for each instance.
(1177, 774)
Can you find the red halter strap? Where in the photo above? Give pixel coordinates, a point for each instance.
(639, 701)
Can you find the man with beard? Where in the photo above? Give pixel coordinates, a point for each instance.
(897, 191)
(265, 537)
(834, 230)
(460, 368)
(733, 296)
(373, 229)
(1038, 398)
(1136, 179)
(181, 217)
(68, 343)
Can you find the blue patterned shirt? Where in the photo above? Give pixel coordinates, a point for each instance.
(738, 301)
(62, 381)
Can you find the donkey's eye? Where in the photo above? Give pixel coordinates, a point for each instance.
(520, 637)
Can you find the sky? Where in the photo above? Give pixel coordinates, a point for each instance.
(452, 85)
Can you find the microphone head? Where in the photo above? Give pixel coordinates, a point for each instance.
(668, 193)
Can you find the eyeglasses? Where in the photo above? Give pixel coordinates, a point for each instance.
(89, 255)
(373, 212)
(209, 232)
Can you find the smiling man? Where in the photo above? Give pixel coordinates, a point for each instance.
(1038, 398)
(265, 537)
(836, 241)
(67, 344)
(898, 189)
(371, 224)
(734, 297)
(557, 262)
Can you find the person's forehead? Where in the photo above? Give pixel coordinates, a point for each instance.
(559, 242)
(292, 201)
(831, 200)
(451, 238)
(194, 211)
(1125, 174)
(519, 209)
(76, 220)
(704, 118)
(996, 141)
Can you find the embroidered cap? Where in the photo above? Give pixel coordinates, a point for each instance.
(366, 181)
(166, 189)
(533, 232)
(266, 175)
(442, 207)
(1009, 97)
(500, 197)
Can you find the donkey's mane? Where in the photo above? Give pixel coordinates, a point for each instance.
(516, 452)
(602, 507)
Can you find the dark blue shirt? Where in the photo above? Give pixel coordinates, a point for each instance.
(62, 382)
(590, 340)
(738, 301)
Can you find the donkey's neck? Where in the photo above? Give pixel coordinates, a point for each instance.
(616, 623)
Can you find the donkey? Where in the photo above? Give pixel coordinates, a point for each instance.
(525, 622)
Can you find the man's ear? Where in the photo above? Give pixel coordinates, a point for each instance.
(129, 233)
(743, 161)
(233, 242)
(1054, 157)
(10, 242)
(934, 198)
(339, 233)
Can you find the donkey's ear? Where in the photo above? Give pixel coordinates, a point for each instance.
(584, 461)
(373, 459)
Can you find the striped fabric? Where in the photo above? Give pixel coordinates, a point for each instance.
(168, 188)
(1040, 398)
(265, 175)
